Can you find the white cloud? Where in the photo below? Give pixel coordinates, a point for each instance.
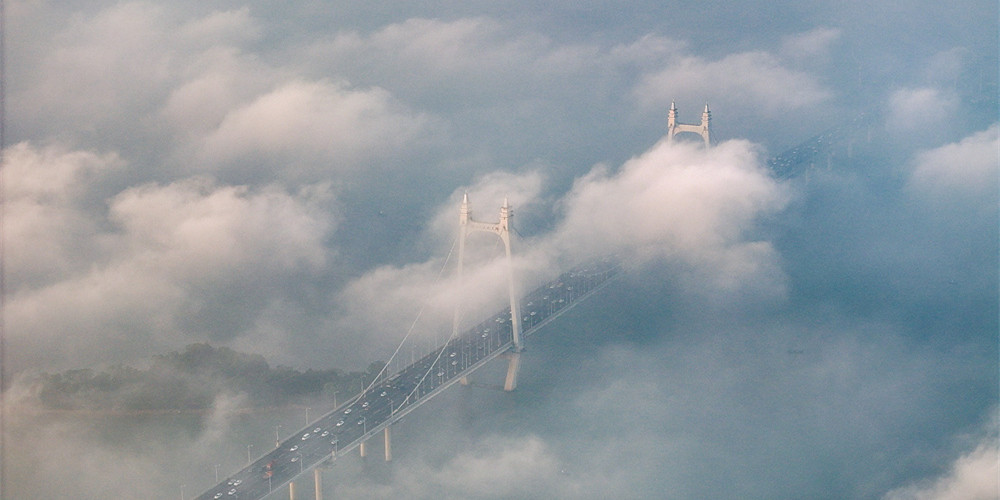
(161, 261)
(506, 469)
(974, 476)
(136, 71)
(962, 171)
(681, 204)
(494, 467)
(430, 52)
(649, 49)
(194, 228)
(213, 82)
(47, 230)
(118, 58)
(813, 44)
(231, 27)
(921, 115)
(756, 78)
(303, 119)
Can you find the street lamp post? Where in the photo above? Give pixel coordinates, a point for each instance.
(277, 440)
(248, 454)
(217, 472)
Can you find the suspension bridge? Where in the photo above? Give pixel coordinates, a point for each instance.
(394, 394)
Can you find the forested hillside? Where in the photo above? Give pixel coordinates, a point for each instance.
(192, 379)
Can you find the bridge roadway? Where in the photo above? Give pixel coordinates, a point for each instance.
(381, 405)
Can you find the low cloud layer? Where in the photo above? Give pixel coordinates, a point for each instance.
(972, 476)
(286, 182)
(143, 270)
(681, 205)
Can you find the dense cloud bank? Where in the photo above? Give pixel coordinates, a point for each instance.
(284, 181)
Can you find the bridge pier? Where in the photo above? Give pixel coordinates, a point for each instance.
(387, 436)
(513, 366)
(318, 481)
(388, 446)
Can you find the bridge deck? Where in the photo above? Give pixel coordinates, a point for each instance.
(378, 407)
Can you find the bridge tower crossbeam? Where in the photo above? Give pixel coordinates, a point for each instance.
(702, 129)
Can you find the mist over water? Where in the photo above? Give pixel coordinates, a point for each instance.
(809, 309)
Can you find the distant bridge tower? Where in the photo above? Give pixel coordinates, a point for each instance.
(501, 229)
(674, 128)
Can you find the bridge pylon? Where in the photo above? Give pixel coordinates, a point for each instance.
(703, 129)
(502, 230)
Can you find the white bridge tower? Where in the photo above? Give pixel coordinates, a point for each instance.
(674, 128)
(501, 229)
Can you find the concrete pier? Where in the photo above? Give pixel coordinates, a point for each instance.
(388, 444)
(513, 365)
(318, 481)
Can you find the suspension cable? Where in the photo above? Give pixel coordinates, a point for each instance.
(412, 325)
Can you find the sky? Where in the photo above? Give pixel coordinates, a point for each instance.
(285, 181)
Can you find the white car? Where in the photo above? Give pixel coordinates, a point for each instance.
(305, 436)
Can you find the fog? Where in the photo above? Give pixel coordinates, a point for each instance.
(285, 182)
